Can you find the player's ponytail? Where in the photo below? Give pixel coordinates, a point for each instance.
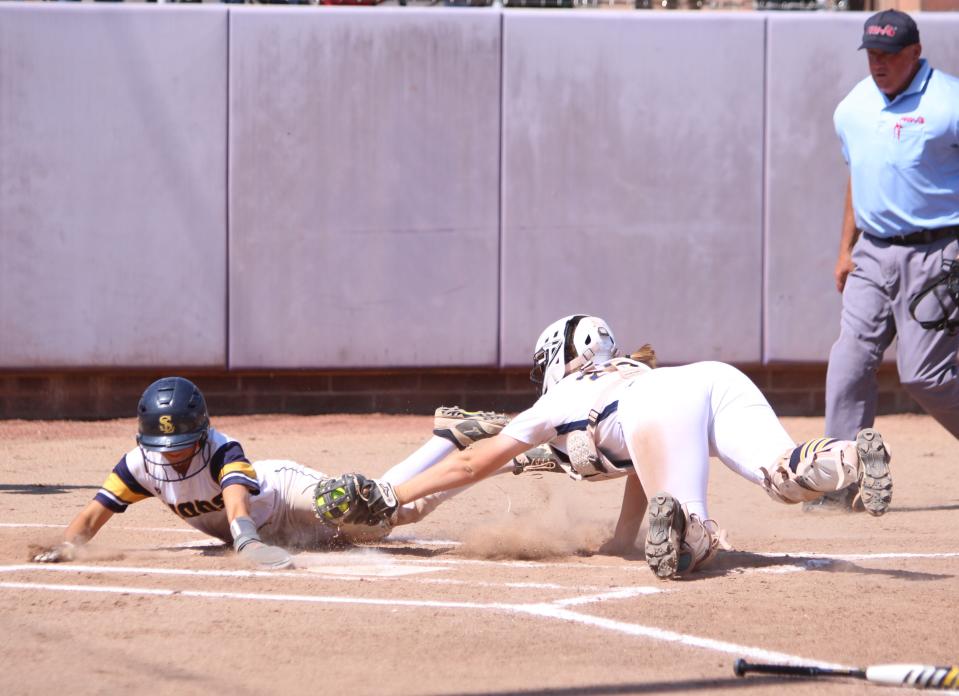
(645, 354)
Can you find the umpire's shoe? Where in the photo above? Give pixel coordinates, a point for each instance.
(664, 538)
(875, 479)
(463, 428)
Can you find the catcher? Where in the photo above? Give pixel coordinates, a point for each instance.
(610, 416)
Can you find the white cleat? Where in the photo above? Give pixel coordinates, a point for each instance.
(875, 479)
(664, 538)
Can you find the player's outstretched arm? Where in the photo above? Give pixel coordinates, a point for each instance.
(631, 516)
(246, 538)
(462, 468)
(356, 499)
(83, 528)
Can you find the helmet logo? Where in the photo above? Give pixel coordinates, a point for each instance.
(166, 425)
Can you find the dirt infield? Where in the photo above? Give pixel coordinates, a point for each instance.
(500, 591)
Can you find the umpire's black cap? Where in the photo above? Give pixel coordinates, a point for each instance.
(889, 31)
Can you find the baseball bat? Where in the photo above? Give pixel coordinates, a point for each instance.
(917, 676)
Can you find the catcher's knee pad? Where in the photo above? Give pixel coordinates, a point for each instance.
(811, 469)
(701, 542)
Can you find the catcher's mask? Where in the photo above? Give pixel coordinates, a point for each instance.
(944, 289)
(172, 415)
(567, 345)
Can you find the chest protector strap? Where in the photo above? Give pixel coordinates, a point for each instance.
(585, 457)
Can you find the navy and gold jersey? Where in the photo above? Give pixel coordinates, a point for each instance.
(197, 496)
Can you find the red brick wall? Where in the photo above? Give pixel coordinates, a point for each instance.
(792, 390)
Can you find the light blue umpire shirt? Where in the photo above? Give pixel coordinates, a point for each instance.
(903, 154)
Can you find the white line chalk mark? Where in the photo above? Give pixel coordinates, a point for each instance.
(549, 611)
(620, 593)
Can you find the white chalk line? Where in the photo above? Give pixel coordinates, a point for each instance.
(214, 542)
(544, 610)
(859, 556)
(800, 561)
(622, 593)
(358, 571)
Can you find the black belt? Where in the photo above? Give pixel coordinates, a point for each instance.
(920, 237)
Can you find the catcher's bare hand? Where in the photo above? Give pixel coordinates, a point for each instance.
(61, 553)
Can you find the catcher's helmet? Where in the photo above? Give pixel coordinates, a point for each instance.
(568, 344)
(171, 415)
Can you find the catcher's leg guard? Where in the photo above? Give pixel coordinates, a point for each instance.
(813, 468)
(875, 480)
(463, 428)
(664, 537)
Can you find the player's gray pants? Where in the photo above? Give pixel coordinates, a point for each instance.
(287, 500)
(875, 309)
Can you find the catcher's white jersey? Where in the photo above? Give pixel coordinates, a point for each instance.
(197, 496)
(565, 408)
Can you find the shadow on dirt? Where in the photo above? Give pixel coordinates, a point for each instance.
(43, 489)
(411, 551)
(661, 687)
(924, 508)
(732, 562)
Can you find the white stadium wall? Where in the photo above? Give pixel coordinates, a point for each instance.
(245, 188)
(364, 188)
(112, 186)
(632, 170)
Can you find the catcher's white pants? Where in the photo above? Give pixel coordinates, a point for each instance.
(674, 418)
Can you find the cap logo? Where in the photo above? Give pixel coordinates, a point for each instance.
(888, 30)
(166, 425)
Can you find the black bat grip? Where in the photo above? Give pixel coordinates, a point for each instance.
(741, 667)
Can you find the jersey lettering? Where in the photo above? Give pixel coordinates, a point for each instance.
(197, 507)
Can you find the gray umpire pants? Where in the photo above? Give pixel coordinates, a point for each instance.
(875, 309)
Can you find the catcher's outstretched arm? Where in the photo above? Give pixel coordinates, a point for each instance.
(462, 468)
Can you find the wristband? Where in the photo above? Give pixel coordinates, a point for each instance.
(243, 531)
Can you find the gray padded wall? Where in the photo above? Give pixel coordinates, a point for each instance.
(632, 179)
(112, 186)
(813, 63)
(364, 187)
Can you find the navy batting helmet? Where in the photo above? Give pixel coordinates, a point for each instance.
(171, 415)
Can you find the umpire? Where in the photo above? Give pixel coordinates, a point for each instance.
(900, 137)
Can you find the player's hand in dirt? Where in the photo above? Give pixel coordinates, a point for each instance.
(265, 557)
(61, 553)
